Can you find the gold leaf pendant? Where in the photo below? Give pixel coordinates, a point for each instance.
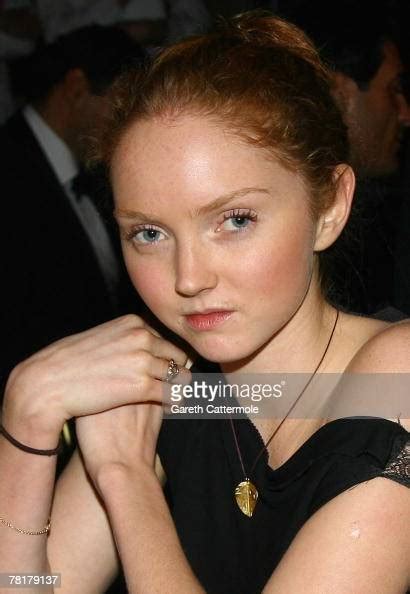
(246, 495)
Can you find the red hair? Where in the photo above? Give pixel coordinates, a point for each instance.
(261, 78)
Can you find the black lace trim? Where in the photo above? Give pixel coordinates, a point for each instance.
(398, 466)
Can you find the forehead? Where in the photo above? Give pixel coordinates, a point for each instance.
(191, 158)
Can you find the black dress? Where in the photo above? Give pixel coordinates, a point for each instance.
(233, 554)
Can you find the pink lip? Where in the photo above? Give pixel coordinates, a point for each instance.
(207, 320)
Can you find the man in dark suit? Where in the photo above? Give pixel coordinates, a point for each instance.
(359, 43)
(62, 272)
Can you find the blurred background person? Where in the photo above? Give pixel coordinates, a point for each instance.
(63, 17)
(367, 67)
(187, 17)
(20, 28)
(61, 265)
(402, 243)
(361, 47)
(150, 22)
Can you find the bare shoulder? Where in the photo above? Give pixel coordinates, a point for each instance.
(353, 332)
(356, 538)
(387, 350)
(376, 377)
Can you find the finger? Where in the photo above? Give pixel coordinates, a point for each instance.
(144, 338)
(160, 368)
(103, 334)
(166, 350)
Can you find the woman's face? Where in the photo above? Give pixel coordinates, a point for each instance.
(209, 223)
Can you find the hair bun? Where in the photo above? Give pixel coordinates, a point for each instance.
(263, 29)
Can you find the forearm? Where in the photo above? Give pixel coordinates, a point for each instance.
(26, 490)
(148, 545)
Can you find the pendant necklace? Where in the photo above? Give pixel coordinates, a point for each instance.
(246, 494)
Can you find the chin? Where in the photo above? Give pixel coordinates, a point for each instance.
(223, 351)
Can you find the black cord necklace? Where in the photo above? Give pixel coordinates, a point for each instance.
(246, 494)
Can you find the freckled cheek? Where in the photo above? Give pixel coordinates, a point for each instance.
(153, 282)
(280, 270)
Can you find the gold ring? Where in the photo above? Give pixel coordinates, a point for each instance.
(172, 371)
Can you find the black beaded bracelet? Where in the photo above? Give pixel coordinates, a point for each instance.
(28, 449)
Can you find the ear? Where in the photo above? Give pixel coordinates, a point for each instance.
(334, 218)
(76, 86)
(345, 92)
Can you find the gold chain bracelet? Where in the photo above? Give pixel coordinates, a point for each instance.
(44, 530)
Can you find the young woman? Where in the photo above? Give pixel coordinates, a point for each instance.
(228, 161)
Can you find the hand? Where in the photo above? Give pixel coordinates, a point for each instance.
(121, 362)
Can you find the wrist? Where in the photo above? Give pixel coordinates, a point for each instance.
(115, 477)
(34, 426)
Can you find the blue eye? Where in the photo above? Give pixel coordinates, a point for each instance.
(149, 235)
(144, 236)
(240, 222)
(239, 219)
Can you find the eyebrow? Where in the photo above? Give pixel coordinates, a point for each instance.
(222, 200)
(203, 210)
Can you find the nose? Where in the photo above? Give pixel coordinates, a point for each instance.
(403, 110)
(195, 271)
